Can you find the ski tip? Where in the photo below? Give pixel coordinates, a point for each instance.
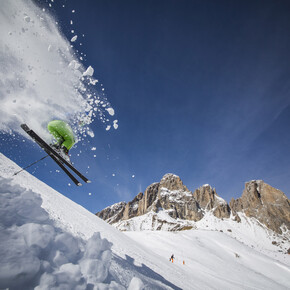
(79, 184)
(24, 127)
(88, 181)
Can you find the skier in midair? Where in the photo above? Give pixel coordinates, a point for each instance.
(64, 136)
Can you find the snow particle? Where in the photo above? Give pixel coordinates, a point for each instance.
(115, 125)
(89, 72)
(111, 111)
(74, 38)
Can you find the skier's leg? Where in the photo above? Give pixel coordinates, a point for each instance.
(65, 131)
(53, 129)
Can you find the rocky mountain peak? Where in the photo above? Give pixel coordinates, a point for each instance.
(264, 202)
(171, 198)
(208, 199)
(172, 182)
(113, 213)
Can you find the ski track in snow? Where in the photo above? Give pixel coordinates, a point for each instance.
(210, 257)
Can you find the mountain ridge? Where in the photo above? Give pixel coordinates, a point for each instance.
(268, 205)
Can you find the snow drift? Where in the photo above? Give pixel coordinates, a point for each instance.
(34, 252)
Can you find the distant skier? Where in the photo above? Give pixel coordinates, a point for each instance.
(64, 136)
(171, 258)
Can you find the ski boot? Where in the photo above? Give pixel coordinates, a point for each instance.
(62, 151)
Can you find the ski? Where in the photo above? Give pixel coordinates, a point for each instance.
(75, 181)
(54, 155)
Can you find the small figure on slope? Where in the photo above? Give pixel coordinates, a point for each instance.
(171, 258)
(64, 136)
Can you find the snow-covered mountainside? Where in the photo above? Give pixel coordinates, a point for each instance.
(169, 205)
(260, 218)
(47, 241)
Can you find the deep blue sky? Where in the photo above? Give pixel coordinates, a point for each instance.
(200, 89)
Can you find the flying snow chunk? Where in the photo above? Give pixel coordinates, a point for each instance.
(111, 111)
(94, 149)
(74, 65)
(115, 124)
(89, 72)
(74, 38)
(93, 82)
(91, 133)
(108, 127)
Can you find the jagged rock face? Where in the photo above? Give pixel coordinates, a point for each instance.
(208, 199)
(132, 207)
(170, 198)
(112, 213)
(177, 199)
(150, 196)
(180, 204)
(169, 194)
(205, 196)
(172, 182)
(265, 203)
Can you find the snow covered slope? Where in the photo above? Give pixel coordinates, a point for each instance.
(248, 231)
(50, 241)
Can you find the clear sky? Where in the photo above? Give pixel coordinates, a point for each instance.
(200, 88)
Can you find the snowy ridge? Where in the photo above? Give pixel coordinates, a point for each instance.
(139, 260)
(153, 221)
(174, 195)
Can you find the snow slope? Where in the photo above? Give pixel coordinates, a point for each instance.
(248, 231)
(61, 239)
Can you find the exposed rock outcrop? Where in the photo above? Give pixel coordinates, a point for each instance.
(113, 213)
(171, 204)
(174, 197)
(208, 199)
(267, 204)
